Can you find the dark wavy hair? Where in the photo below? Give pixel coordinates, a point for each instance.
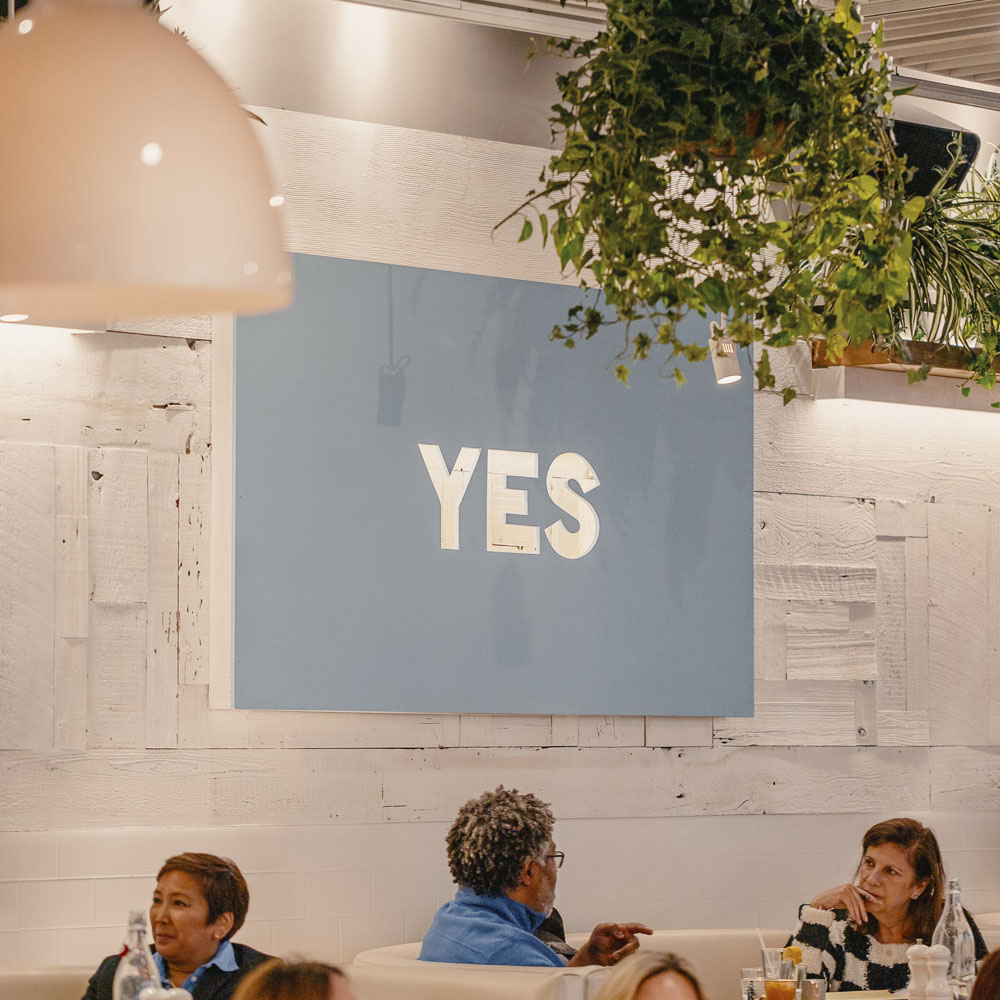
(278, 980)
(493, 836)
(222, 884)
(923, 853)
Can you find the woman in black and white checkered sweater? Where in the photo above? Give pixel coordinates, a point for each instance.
(856, 935)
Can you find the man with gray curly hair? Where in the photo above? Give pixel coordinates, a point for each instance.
(501, 854)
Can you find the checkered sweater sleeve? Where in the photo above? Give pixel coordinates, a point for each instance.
(848, 959)
(820, 935)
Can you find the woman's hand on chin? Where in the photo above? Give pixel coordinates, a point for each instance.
(844, 897)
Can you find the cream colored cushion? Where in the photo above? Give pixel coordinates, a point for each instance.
(395, 973)
(715, 955)
(65, 982)
(989, 925)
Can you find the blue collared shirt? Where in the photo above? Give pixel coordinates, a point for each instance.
(224, 958)
(486, 930)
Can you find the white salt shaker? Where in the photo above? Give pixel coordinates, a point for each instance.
(916, 955)
(938, 987)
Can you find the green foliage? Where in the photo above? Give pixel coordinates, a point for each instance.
(953, 295)
(682, 123)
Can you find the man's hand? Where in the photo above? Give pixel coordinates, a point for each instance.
(609, 943)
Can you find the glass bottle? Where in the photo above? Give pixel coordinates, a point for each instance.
(136, 969)
(954, 933)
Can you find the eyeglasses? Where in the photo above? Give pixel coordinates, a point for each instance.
(558, 857)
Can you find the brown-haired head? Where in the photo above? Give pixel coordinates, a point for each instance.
(493, 836)
(988, 978)
(278, 980)
(222, 883)
(924, 855)
(628, 975)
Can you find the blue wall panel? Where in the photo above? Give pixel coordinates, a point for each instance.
(343, 596)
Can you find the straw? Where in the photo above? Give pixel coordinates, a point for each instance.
(760, 937)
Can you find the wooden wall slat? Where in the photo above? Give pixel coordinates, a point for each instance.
(314, 786)
(27, 595)
(193, 556)
(116, 676)
(813, 529)
(360, 191)
(769, 637)
(118, 543)
(426, 785)
(865, 713)
(854, 448)
(904, 729)
(70, 697)
(107, 389)
(300, 730)
(890, 625)
(811, 582)
(830, 654)
(612, 731)
(670, 731)
(815, 615)
(565, 730)
(162, 500)
(507, 730)
(72, 536)
(794, 713)
(917, 602)
(958, 538)
(900, 519)
(183, 327)
(964, 777)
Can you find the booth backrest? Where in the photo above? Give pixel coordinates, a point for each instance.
(395, 973)
(989, 925)
(63, 982)
(715, 955)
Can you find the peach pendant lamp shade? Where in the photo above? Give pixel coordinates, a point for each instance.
(132, 183)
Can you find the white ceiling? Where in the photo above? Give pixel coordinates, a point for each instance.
(959, 39)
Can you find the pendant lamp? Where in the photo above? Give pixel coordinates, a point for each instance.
(132, 183)
(725, 360)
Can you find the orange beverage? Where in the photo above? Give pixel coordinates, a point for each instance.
(779, 989)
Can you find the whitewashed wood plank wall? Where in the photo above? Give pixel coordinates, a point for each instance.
(877, 548)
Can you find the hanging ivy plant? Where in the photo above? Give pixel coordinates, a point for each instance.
(682, 123)
(953, 296)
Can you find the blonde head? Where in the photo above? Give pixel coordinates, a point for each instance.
(278, 980)
(628, 977)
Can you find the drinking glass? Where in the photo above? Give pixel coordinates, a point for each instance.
(775, 966)
(779, 989)
(814, 989)
(752, 984)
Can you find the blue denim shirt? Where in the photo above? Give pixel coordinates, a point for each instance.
(224, 958)
(486, 930)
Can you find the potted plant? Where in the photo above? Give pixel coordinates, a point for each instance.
(684, 123)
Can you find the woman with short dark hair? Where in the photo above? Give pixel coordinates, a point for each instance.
(856, 935)
(199, 903)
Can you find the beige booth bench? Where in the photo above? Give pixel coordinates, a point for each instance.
(394, 973)
(60, 982)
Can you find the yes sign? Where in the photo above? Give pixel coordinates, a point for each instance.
(501, 500)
